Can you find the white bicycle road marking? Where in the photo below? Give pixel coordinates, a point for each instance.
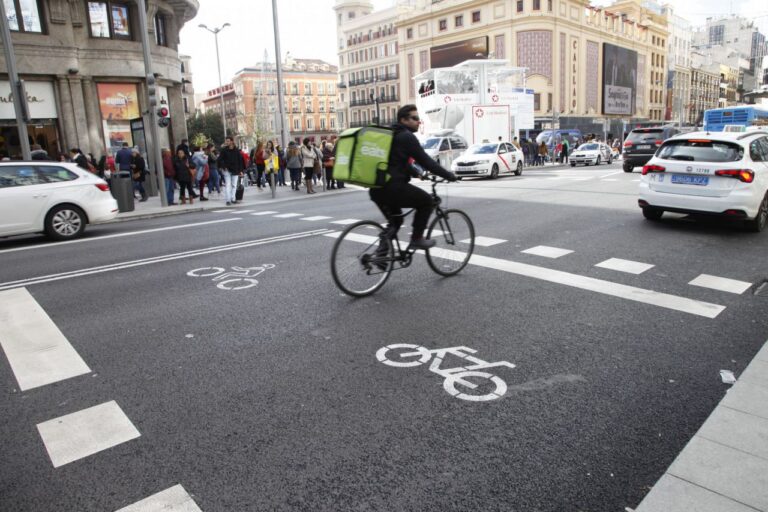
(407, 355)
(239, 278)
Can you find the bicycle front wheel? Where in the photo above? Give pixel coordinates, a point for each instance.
(455, 236)
(362, 259)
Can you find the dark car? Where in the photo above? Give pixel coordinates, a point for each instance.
(641, 144)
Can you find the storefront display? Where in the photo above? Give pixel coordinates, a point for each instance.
(119, 104)
(42, 129)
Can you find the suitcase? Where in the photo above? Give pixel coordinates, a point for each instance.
(240, 190)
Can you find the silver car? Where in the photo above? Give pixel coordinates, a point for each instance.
(591, 153)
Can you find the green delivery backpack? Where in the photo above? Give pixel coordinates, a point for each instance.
(362, 156)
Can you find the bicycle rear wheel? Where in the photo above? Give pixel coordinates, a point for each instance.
(362, 259)
(455, 236)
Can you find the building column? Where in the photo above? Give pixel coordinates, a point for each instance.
(78, 105)
(93, 118)
(178, 119)
(69, 137)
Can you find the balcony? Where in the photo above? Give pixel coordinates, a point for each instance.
(389, 99)
(342, 85)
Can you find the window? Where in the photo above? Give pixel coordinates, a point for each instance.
(475, 16)
(549, 5)
(333, 123)
(160, 38)
(519, 5)
(459, 21)
(321, 88)
(108, 20)
(502, 149)
(442, 25)
(536, 102)
(423, 61)
(458, 143)
(550, 103)
(322, 123)
(409, 33)
(54, 175)
(28, 11)
(499, 46)
(296, 125)
(310, 123)
(536, 5)
(23, 175)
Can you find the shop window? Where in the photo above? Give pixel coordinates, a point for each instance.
(118, 104)
(160, 32)
(23, 15)
(109, 20)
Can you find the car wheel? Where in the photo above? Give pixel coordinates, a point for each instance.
(519, 169)
(494, 172)
(459, 178)
(65, 222)
(757, 224)
(573, 164)
(610, 160)
(652, 213)
(598, 161)
(628, 167)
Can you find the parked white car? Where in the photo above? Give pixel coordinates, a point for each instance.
(591, 153)
(55, 198)
(489, 160)
(712, 173)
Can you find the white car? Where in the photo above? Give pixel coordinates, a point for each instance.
(591, 153)
(444, 148)
(489, 160)
(55, 198)
(713, 173)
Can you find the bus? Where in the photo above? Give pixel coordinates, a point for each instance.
(717, 119)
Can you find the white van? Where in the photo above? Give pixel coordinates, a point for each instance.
(445, 148)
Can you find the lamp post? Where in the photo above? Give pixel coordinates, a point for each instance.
(215, 32)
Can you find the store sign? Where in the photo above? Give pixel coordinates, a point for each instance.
(118, 102)
(41, 101)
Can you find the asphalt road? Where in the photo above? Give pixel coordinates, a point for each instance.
(272, 398)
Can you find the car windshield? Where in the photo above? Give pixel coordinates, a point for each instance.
(701, 151)
(431, 143)
(588, 147)
(483, 149)
(645, 135)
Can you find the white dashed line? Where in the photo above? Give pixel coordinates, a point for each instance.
(546, 251)
(264, 213)
(174, 499)
(631, 267)
(316, 218)
(722, 284)
(345, 222)
(288, 215)
(485, 241)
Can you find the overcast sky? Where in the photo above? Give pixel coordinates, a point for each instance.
(308, 30)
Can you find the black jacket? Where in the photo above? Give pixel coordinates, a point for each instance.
(231, 160)
(405, 146)
(139, 166)
(181, 170)
(81, 161)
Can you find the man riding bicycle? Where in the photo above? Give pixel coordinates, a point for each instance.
(398, 193)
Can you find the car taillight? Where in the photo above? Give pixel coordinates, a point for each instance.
(744, 175)
(658, 142)
(652, 168)
(628, 144)
(103, 187)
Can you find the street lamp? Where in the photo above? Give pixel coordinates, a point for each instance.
(215, 32)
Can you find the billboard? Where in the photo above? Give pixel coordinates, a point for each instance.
(447, 55)
(118, 102)
(619, 80)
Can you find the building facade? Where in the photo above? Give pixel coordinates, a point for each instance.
(83, 67)
(187, 89)
(705, 94)
(678, 94)
(212, 103)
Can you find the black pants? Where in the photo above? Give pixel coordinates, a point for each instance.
(183, 187)
(395, 196)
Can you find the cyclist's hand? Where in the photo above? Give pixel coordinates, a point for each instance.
(452, 177)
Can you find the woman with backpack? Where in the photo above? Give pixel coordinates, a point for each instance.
(308, 157)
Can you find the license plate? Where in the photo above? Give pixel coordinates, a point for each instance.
(690, 180)
(644, 146)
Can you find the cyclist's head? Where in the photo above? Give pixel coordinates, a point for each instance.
(408, 116)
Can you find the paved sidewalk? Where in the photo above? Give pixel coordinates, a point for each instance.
(724, 467)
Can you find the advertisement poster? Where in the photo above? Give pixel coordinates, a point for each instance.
(118, 102)
(619, 80)
(448, 55)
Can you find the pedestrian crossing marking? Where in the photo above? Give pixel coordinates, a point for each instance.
(288, 215)
(225, 210)
(37, 350)
(316, 218)
(237, 212)
(485, 241)
(345, 222)
(631, 267)
(80, 434)
(722, 284)
(270, 212)
(173, 499)
(546, 251)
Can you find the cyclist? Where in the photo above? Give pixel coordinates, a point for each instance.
(398, 193)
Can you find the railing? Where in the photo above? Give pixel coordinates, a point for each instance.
(342, 85)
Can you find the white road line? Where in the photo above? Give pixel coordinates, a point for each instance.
(83, 433)
(36, 349)
(609, 179)
(345, 222)
(694, 307)
(224, 210)
(546, 251)
(173, 499)
(238, 212)
(485, 241)
(288, 215)
(157, 259)
(638, 179)
(722, 284)
(116, 235)
(631, 267)
(264, 213)
(612, 173)
(316, 218)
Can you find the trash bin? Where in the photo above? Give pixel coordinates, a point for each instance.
(122, 189)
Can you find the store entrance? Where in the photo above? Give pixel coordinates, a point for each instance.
(43, 133)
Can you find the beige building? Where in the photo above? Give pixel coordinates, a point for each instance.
(187, 90)
(83, 66)
(705, 91)
(562, 43)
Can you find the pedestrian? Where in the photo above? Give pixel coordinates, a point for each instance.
(38, 153)
(231, 166)
(543, 152)
(184, 146)
(78, 158)
(533, 149)
(558, 153)
(124, 158)
(106, 165)
(138, 173)
(516, 143)
(183, 175)
(168, 174)
(328, 159)
(526, 152)
(257, 160)
(295, 164)
(566, 150)
(281, 169)
(200, 161)
(308, 157)
(214, 180)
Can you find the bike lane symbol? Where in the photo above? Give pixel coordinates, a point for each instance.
(405, 355)
(238, 278)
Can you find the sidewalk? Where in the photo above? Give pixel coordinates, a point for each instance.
(252, 197)
(724, 467)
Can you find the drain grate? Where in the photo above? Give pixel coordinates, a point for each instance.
(761, 289)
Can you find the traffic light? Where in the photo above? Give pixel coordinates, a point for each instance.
(152, 91)
(163, 117)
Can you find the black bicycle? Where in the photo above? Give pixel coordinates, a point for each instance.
(366, 253)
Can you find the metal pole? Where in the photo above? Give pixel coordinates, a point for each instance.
(221, 88)
(155, 139)
(19, 100)
(279, 71)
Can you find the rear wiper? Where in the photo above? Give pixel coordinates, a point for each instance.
(687, 158)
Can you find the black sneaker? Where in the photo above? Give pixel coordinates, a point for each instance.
(421, 243)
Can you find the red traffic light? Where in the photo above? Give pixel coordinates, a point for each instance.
(163, 112)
